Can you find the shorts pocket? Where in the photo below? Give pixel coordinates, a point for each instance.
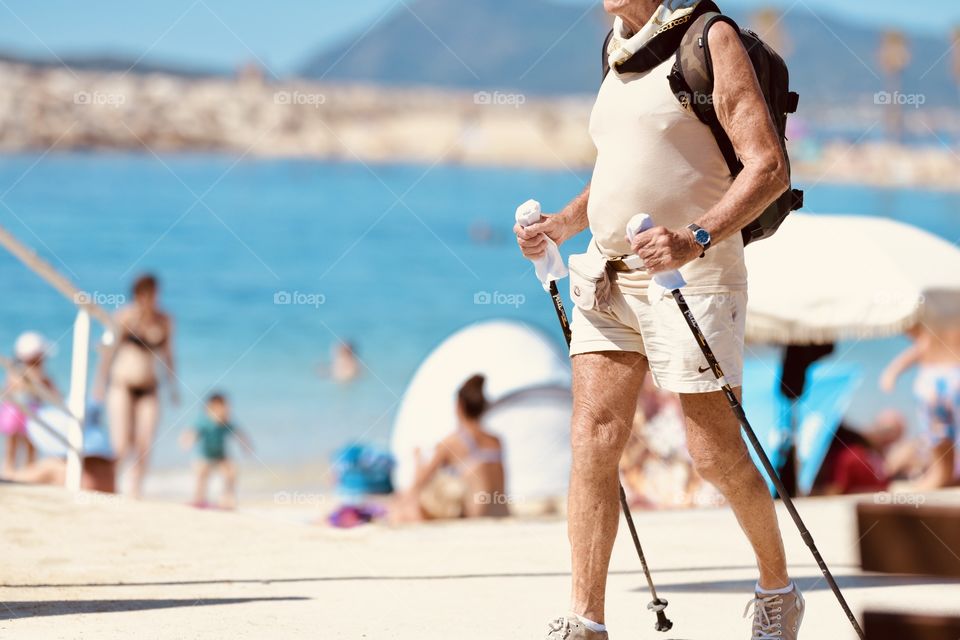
(589, 282)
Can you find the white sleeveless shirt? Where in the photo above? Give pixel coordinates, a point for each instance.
(655, 157)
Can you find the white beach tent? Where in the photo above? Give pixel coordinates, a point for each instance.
(824, 278)
(528, 382)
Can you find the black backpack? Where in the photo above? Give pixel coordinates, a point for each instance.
(692, 82)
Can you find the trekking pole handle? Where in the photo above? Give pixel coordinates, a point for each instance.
(528, 213)
(669, 280)
(550, 266)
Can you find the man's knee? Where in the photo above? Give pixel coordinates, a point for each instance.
(709, 465)
(713, 438)
(723, 463)
(598, 432)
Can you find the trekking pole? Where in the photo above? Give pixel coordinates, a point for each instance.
(657, 605)
(673, 282)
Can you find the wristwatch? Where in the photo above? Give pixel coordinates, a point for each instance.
(702, 236)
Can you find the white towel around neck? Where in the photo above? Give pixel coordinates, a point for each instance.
(624, 44)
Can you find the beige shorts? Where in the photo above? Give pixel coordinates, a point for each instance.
(660, 332)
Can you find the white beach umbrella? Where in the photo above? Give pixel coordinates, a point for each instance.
(824, 278)
(528, 382)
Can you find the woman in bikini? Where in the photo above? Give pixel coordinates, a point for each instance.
(476, 454)
(127, 377)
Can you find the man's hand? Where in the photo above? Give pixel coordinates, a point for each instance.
(559, 227)
(664, 250)
(533, 239)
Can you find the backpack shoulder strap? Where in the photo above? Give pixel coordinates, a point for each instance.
(604, 57)
(692, 81)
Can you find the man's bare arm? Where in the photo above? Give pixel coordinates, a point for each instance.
(745, 118)
(559, 227)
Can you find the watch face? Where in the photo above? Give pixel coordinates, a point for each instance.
(702, 236)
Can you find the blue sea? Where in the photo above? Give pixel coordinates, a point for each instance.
(392, 258)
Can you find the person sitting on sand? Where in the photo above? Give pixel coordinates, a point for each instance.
(475, 453)
(98, 470)
(24, 391)
(857, 460)
(937, 389)
(209, 436)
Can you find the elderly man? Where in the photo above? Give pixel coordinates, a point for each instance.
(655, 156)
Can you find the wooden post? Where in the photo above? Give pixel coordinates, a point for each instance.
(910, 626)
(905, 539)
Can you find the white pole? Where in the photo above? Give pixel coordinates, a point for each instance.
(77, 400)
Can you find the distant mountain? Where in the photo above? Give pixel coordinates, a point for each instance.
(541, 47)
(533, 46)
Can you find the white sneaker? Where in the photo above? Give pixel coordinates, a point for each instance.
(570, 628)
(776, 617)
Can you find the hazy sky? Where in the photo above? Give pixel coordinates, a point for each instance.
(281, 33)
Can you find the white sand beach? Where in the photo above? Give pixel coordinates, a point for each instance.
(97, 566)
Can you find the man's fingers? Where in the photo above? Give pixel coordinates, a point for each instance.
(652, 257)
(533, 245)
(532, 231)
(649, 252)
(537, 245)
(532, 239)
(645, 239)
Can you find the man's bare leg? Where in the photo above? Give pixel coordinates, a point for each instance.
(605, 390)
(720, 456)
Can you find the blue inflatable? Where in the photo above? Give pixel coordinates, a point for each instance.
(363, 469)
